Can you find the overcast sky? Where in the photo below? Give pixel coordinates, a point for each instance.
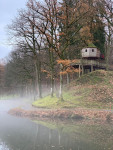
(8, 10)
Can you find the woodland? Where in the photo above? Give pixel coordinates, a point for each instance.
(47, 37)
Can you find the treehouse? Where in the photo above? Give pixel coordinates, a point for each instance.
(90, 53)
(91, 60)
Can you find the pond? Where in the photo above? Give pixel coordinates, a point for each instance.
(25, 134)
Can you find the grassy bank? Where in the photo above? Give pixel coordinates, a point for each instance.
(7, 97)
(93, 90)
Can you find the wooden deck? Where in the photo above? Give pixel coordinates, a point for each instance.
(95, 63)
(85, 65)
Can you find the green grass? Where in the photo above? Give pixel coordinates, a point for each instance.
(6, 97)
(47, 101)
(70, 101)
(93, 90)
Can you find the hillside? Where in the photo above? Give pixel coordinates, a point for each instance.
(93, 90)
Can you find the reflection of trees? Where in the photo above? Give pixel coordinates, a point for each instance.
(61, 135)
(35, 138)
(78, 135)
(4, 146)
(60, 129)
(50, 136)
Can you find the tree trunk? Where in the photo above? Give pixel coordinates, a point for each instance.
(108, 54)
(61, 82)
(68, 78)
(38, 78)
(52, 71)
(52, 86)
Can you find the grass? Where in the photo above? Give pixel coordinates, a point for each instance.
(70, 101)
(7, 97)
(93, 90)
(47, 101)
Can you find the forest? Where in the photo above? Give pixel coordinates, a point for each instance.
(47, 37)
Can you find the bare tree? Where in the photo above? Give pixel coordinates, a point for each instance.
(47, 25)
(30, 40)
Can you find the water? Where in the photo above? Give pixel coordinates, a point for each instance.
(24, 134)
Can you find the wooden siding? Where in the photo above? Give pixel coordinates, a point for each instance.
(85, 62)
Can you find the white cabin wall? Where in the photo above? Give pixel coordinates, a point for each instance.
(84, 53)
(90, 53)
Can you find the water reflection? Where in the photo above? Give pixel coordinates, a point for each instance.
(77, 135)
(3, 146)
(23, 134)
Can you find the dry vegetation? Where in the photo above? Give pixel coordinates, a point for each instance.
(65, 114)
(93, 90)
(81, 97)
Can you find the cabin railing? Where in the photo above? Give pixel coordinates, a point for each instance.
(86, 62)
(93, 62)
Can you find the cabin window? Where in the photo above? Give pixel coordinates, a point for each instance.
(86, 50)
(92, 50)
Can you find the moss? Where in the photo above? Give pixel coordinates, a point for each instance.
(47, 102)
(91, 45)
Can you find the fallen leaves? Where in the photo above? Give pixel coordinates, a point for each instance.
(65, 114)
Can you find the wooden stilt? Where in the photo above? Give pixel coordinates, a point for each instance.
(91, 68)
(79, 70)
(82, 69)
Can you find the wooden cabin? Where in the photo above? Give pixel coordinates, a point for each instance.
(91, 59)
(90, 53)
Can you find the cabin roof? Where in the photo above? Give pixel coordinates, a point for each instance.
(91, 45)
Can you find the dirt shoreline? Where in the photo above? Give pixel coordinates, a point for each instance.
(77, 114)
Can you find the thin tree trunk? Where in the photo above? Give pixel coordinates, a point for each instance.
(38, 78)
(68, 78)
(52, 85)
(108, 54)
(61, 82)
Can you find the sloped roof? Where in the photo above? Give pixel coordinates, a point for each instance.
(91, 45)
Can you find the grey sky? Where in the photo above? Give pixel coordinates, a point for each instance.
(8, 10)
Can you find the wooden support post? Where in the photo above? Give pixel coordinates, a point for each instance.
(91, 68)
(82, 69)
(79, 70)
